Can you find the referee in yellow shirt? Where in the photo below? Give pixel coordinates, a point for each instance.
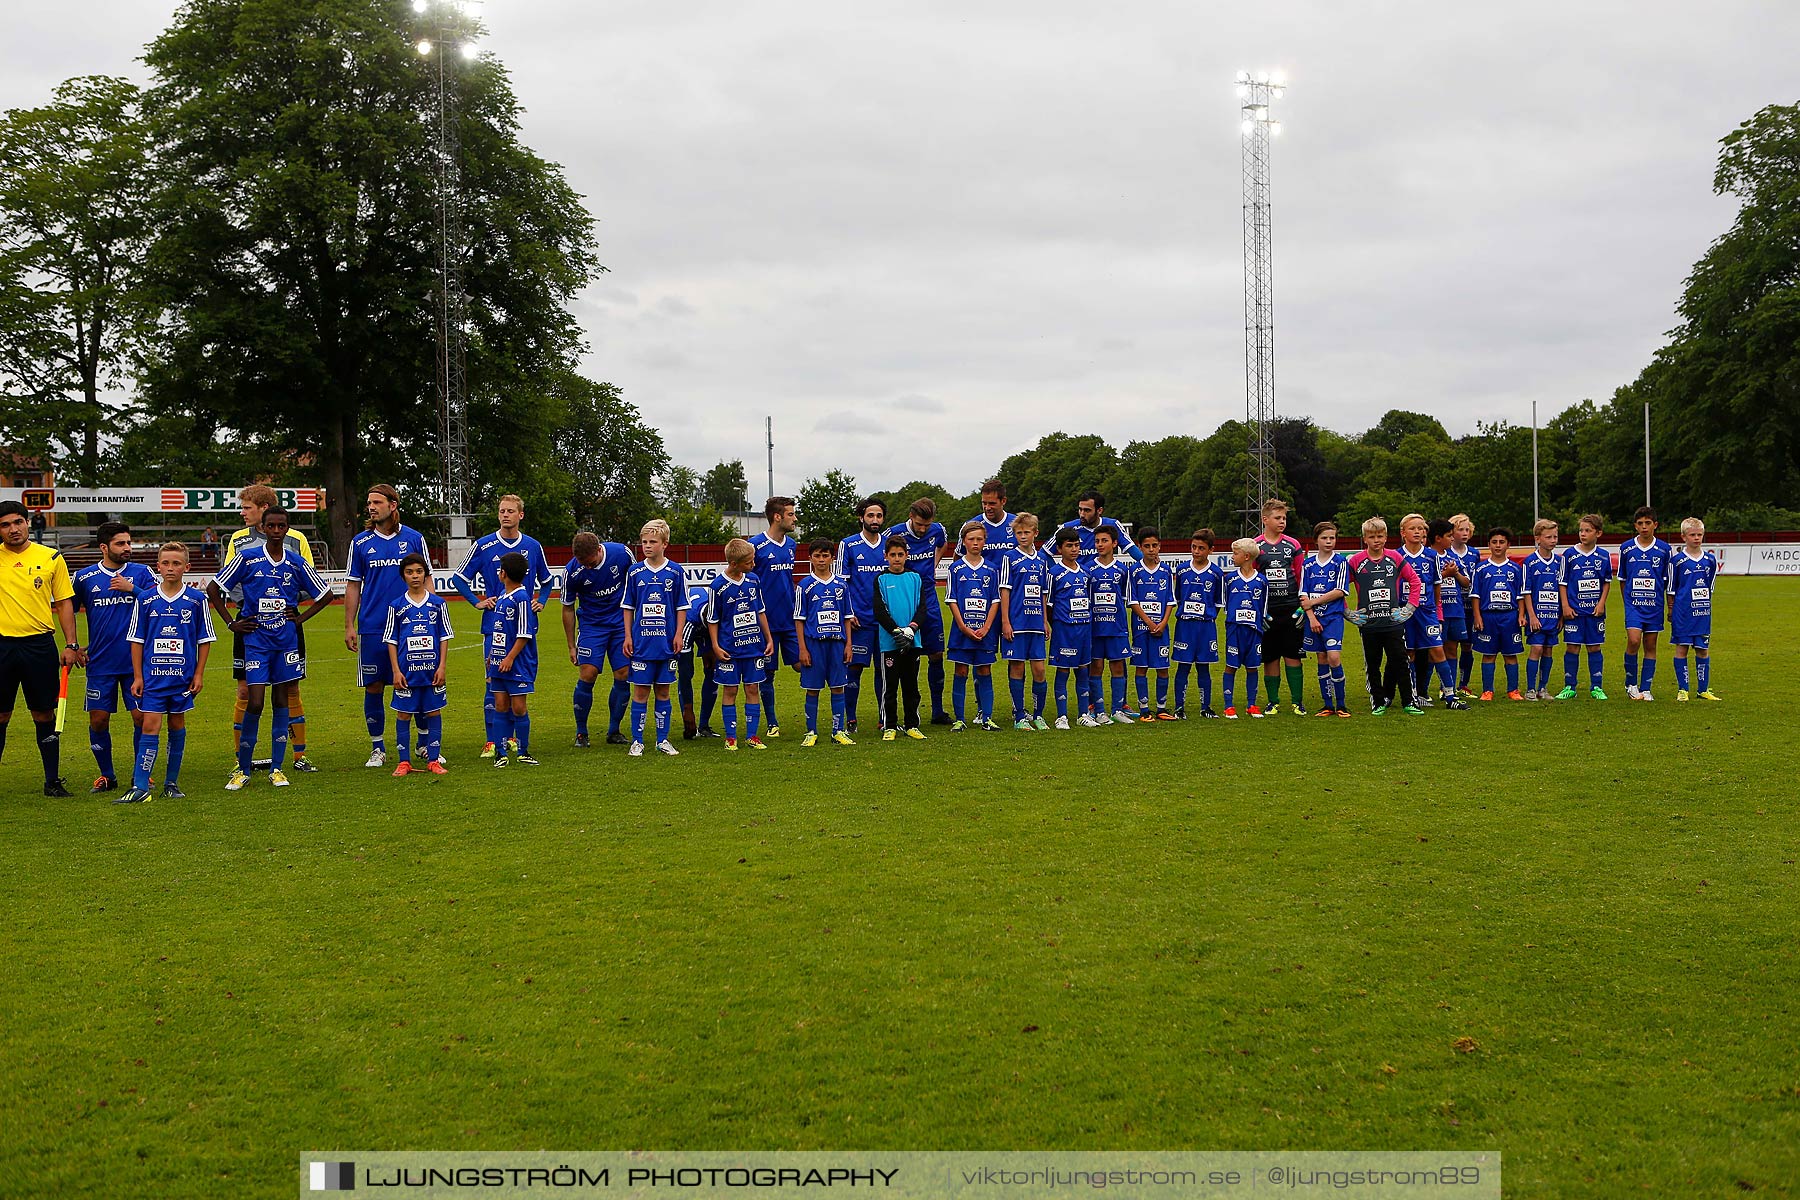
(35, 597)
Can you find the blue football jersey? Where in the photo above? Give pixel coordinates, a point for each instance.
(1644, 573)
(859, 561)
(415, 631)
(1584, 576)
(514, 618)
(271, 588)
(922, 549)
(1467, 559)
(775, 571)
(1110, 586)
(1424, 563)
(736, 607)
(974, 591)
(822, 607)
(1246, 600)
(483, 564)
(1498, 585)
(653, 596)
(375, 564)
(1071, 600)
(170, 629)
(1001, 541)
(1152, 592)
(1691, 583)
(1199, 591)
(1318, 578)
(1126, 547)
(109, 612)
(1025, 587)
(596, 591)
(1543, 583)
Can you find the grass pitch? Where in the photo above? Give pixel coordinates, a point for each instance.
(1563, 931)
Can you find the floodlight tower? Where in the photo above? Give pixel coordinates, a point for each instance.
(453, 25)
(1257, 91)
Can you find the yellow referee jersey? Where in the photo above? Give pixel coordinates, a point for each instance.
(31, 581)
(251, 535)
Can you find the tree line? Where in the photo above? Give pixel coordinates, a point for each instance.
(231, 274)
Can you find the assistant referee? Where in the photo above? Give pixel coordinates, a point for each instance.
(36, 596)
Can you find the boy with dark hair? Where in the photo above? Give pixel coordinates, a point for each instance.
(1279, 562)
(1152, 607)
(1199, 592)
(1497, 603)
(1542, 608)
(822, 609)
(975, 636)
(1109, 587)
(1585, 579)
(1643, 581)
(513, 662)
(737, 627)
(775, 575)
(1024, 618)
(896, 596)
(418, 639)
(1071, 626)
(110, 590)
(926, 541)
(861, 557)
(1324, 584)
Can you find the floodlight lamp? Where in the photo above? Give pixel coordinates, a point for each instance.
(1278, 78)
(1274, 128)
(1246, 128)
(420, 6)
(1243, 77)
(1262, 77)
(1243, 92)
(470, 49)
(424, 46)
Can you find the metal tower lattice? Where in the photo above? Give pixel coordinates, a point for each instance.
(452, 300)
(1256, 92)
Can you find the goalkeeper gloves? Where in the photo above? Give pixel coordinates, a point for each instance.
(1404, 613)
(1357, 616)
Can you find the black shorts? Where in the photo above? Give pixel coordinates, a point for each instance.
(237, 653)
(30, 664)
(1282, 636)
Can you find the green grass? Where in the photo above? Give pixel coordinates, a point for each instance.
(1212, 935)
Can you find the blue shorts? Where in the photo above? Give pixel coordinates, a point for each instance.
(1150, 650)
(103, 692)
(1024, 647)
(975, 654)
(1546, 634)
(931, 620)
(1690, 632)
(1456, 629)
(828, 669)
(1584, 631)
(598, 647)
(863, 640)
(372, 664)
(278, 660)
(1109, 647)
(741, 671)
(653, 672)
(1499, 634)
(1644, 620)
(417, 701)
(1243, 646)
(1424, 630)
(1196, 641)
(165, 701)
(787, 648)
(1329, 637)
(1070, 645)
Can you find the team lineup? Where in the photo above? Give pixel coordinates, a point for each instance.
(1080, 615)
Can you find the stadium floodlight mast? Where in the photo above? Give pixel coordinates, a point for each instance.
(1257, 91)
(452, 25)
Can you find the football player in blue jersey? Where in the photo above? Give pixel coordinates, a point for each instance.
(655, 606)
(1425, 630)
(997, 523)
(1643, 585)
(1071, 611)
(1090, 517)
(1497, 604)
(1109, 587)
(1199, 591)
(926, 542)
(418, 637)
(695, 647)
(737, 627)
(1024, 631)
(822, 607)
(109, 591)
(513, 662)
(272, 580)
(1324, 584)
(1453, 585)
(372, 583)
(594, 627)
(775, 572)
(171, 635)
(253, 501)
(1585, 579)
(1152, 607)
(974, 640)
(1246, 612)
(483, 566)
(1468, 557)
(1693, 577)
(861, 557)
(1543, 610)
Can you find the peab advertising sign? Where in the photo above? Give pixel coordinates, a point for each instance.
(155, 499)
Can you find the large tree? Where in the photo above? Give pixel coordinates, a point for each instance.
(726, 487)
(1047, 478)
(827, 506)
(297, 240)
(74, 184)
(609, 459)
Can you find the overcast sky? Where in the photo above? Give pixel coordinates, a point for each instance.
(921, 234)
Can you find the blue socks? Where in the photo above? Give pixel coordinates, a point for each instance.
(521, 731)
(1596, 667)
(1487, 674)
(1630, 669)
(934, 676)
(812, 712)
(403, 732)
(146, 760)
(372, 718)
(752, 720)
(984, 696)
(1062, 692)
(766, 691)
(1648, 673)
(1250, 688)
(616, 702)
(1118, 692)
(959, 693)
(1015, 684)
(1040, 690)
(434, 735)
(837, 711)
(1705, 673)
(1446, 672)
(487, 719)
(730, 721)
(584, 704)
(101, 745)
(278, 739)
(1571, 663)
(663, 710)
(247, 738)
(1512, 675)
(853, 692)
(177, 749)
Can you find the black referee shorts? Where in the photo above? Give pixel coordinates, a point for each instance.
(1282, 638)
(30, 664)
